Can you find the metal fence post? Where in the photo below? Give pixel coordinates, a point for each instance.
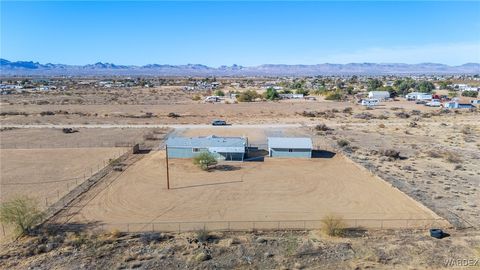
(381, 224)
(128, 227)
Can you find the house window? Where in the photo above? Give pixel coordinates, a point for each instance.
(195, 150)
(290, 150)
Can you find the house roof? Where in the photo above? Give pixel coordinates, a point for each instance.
(282, 142)
(207, 142)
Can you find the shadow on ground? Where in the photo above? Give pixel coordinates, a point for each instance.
(322, 154)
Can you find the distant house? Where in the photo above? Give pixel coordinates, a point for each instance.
(224, 148)
(381, 95)
(418, 96)
(290, 147)
(291, 96)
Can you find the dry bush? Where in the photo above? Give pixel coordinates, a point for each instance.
(343, 143)
(348, 110)
(333, 225)
(402, 115)
(381, 126)
(467, 130)
(452, 157)
(322, 127)
(202, 235)
(435, 153)
(391, 153)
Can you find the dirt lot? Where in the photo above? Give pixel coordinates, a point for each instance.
(249, 191)
(55, 138)
(47, 174)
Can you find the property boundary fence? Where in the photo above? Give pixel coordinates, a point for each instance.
(190, 226)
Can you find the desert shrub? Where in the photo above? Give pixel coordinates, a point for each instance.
(391, 153)
(452, 157)
(382, 117)
(322, 127)
(248, 96)
(435, 154)
(364, 115)
(470, 94)
(205, 160)
(196, 97)
(381, 126)
(343, 143)
(150, 137)
(22, 213)
(333, 225)
(202, 235)
(467, 130)
(348, 110)
(173, 115)
(402, 115)
(219, 93)
(334, 96)
(47, 113)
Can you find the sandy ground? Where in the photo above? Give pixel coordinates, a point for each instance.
(46, 174)
(277, 189)
(55, 138)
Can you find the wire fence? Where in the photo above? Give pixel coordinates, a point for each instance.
(86, 144)
(192, 226)
(53, 190)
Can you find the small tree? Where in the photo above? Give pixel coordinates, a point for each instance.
(219, 93)
(22, 213)
(473, 94)
(271, 94)
(205, 160)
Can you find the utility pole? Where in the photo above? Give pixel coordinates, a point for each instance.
(166, 160)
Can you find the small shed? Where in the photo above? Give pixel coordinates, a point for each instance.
(290, 147)
(224, 148)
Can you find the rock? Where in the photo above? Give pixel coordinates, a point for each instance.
(267, 255)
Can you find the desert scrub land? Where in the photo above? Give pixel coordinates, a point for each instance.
(360, 249)
(434, 163)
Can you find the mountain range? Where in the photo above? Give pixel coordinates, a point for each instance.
(30, 68)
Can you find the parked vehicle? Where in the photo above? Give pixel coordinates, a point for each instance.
(423, 102)
(219, 123)
(434, 103)
(475, 101)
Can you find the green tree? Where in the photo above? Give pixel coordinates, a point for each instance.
(425, 87)
(205, 160)
(219, 93)
(473, 94)
(22, 213)
(271, 94)
(373, 84)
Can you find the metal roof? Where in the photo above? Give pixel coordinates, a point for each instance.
(284, 142)
(207, 142)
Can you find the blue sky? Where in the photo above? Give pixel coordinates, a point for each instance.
(244, 33)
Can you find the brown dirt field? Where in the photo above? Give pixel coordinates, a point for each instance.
(55, 138)
(48, 173)
(249, 191)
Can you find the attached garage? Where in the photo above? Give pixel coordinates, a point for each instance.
(224, 148)
(290, 147)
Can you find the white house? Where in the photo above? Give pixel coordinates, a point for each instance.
(381, 95)
(418, 96)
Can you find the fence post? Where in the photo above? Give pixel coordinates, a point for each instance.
(381, 224)
(179, 231)
(3, 230)
(228, 225)
(253, 225)
(278, 225)
(153, 227)
(46, 201)
(304, 224)
(406, 224)
(128, 227)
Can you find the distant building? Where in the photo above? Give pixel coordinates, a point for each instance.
(290, 96)
(381, 95)
(418, 96)
(224, 148)
(290, 147)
